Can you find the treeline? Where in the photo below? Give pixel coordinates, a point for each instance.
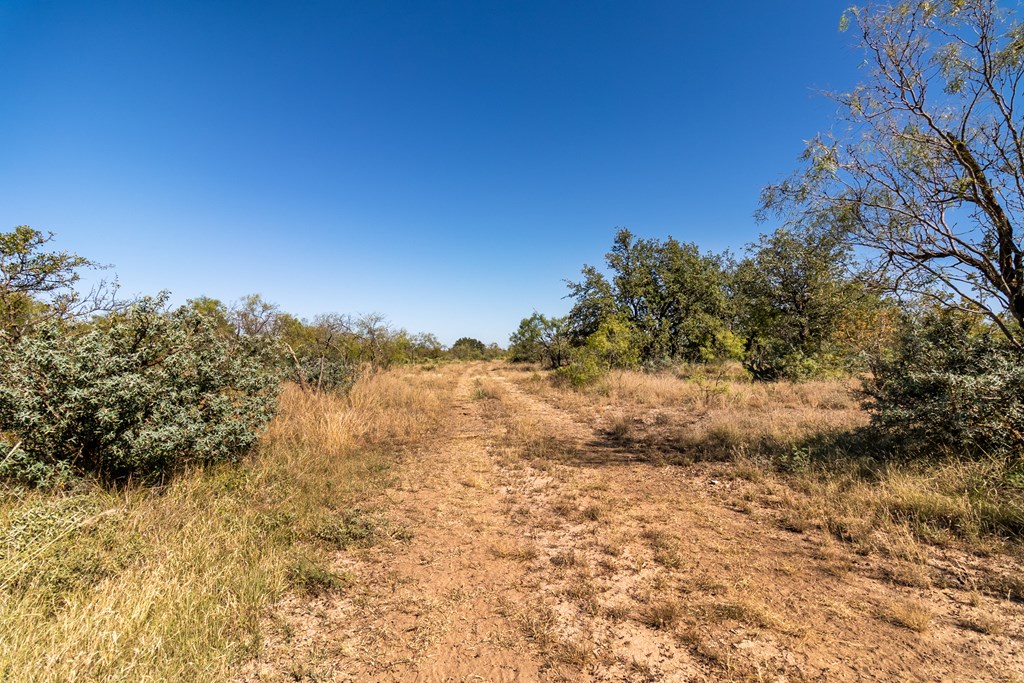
(138, 389)
(794, 307)
(798, 305)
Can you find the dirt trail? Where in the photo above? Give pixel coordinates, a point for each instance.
(541, 551)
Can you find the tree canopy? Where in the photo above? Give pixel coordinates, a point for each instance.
(926, 166)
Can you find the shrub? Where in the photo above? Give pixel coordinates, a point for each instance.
(612, 345)
(584, 368)
(137, 393)
(949, 383)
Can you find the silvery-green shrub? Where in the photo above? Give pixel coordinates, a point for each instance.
(137, 393)
(949, 386)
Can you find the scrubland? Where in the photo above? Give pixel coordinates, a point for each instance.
(171, 582)
(483, 521)
(805, 441)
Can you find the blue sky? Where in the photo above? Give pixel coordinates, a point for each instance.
(446, 164)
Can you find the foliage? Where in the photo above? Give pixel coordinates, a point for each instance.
(584, 369)
(670, 294)
(927, 168)
(331, 351)
(524, 345)
(38, 285)
(540, 339)
(794, 292)
(950, 381)
(611, 346)
(425, 346)
(139, 393)
(321, 352)
(467, 348)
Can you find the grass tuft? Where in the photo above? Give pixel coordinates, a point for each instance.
(314, 578)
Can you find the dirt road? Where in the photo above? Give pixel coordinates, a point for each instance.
(526, 545)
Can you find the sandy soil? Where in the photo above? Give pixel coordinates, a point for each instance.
(536, 548)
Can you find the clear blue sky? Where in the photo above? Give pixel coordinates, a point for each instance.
(447, 164)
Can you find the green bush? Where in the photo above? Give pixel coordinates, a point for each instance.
(949, 384)
(138, 393)
(613, 345)
(584, 368)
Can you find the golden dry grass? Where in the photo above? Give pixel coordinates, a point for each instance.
(170, 584)
(797, 443)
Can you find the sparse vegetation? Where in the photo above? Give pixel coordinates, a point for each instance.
(185, 574)
(708, 459)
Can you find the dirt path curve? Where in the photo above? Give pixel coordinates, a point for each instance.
(538, 550)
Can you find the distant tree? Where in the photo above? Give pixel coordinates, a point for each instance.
(215, 313)
(927, 166)
(541, 339)
(376, 337)
(425, 346)
(37, 285)
(595, 303)
(524, 344)
(321, 354)
(673, 296)
(252, 316)
(467, 348)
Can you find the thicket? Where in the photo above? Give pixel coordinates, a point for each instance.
(138, 389)
(794, 308)
(798, 306)
(468, 348)
(116, 389)
(950, 381)
(141, 392)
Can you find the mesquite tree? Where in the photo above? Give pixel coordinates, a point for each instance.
(926, 168)
(38, 285)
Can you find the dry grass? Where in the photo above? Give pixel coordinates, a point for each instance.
(171, 583)
(716, 417)
(910, 614)
(984, 624)
(723, 391)
(799, 444)
(514, 551)
(661, 614)
(488, 390)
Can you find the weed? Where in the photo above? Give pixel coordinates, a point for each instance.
(512, 551)
(351, 528)
(616, 613)
(668, 558)
(744, 610)
(487, 391)
(985, 624)
(565, 558)
(910, 614)
(582, 592)
(620, 428)
(661, 615)
(312, 577)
